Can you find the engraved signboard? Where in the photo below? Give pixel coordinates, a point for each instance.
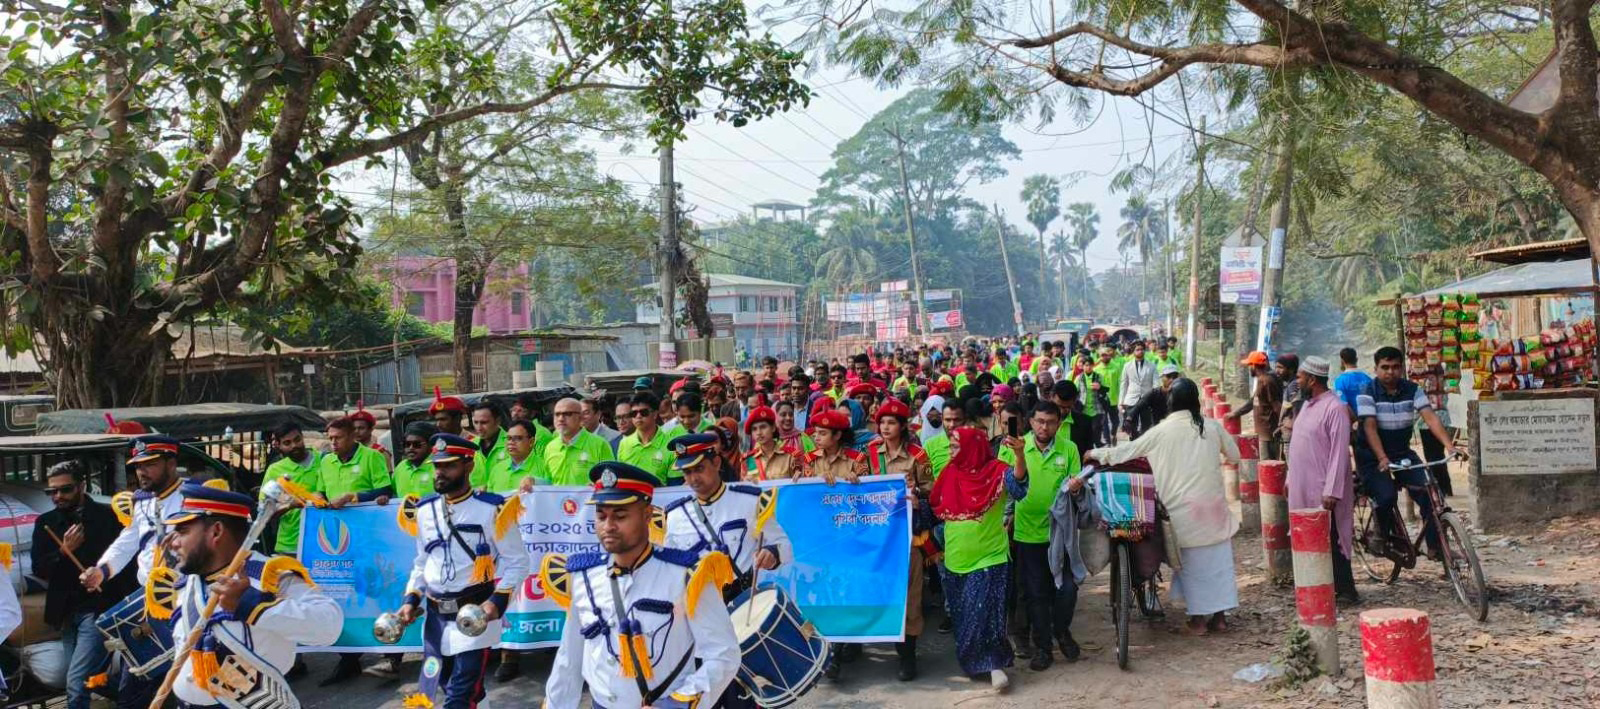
(1536, 436)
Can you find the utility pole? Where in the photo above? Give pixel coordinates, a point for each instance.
(667, 355)
(1011, 283)
(1166, 258)
(911, 235)
(1272, 274)
(1194, 248)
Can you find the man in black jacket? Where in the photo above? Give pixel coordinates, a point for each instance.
(1152, 407)
(1080, 426)
(85, 528)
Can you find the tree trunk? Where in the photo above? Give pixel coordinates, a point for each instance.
(1043, 288)
(470, 276)
(107, 363)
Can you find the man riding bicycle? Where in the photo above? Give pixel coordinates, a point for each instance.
(1387, 410)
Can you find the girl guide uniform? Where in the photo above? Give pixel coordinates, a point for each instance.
(656, 633)
(468, 551)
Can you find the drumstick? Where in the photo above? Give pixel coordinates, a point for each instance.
(755, 575)
(65, 550)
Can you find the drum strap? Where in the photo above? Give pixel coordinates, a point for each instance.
(646, 694)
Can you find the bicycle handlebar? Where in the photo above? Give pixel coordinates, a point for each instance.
(1398, 468)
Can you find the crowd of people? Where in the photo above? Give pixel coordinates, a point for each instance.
(990, 437)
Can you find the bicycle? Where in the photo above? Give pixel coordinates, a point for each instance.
(1384, 556)
(1123, 589)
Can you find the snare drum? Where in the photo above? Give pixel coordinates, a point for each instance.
(143, 643)
(782, 654)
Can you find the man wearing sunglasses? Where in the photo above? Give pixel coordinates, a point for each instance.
(78, 528)
(646, 448)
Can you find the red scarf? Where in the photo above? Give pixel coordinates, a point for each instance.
(971, 483)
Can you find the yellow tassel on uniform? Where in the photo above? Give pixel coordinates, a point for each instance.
(122, 505)
(510, 513)
(161, 592)
(217, 484)
(204, 666)
(714, 568)
(636, 654)
(6, 558)
(483, 568)
(299, 492)
(272, 572)
(417, 701)
(97, 681)
(553, 576)
(406, 516)
(766, 507)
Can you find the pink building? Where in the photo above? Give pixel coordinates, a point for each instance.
(426, 287)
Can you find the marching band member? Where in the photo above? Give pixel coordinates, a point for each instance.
(262, 613)
(646, 625)
(895, 453)
(468, 552)
(156, 467)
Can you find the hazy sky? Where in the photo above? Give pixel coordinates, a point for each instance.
(724, 169)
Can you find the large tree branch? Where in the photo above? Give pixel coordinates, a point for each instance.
(40, 251)
(1575, 53)
(230, 138)
(282, 29)
(373, 146)
(341, 45)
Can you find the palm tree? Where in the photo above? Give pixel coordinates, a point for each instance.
(1143, 230)
(847, 258)
(1084, 222)
(1066, 258)
(1042, 193)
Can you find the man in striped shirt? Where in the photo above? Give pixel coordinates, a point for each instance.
(1388, 410)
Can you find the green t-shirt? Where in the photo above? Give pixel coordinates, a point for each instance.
(288, 541)
(505, 475)
(675, 429)
(485, 462)
(938, 450)
(569, 463)
(413, 479)
(366, 470)
(1110, 379)
(653, 457)
(1005, 373)
(1031, 519)
(961, 383)
(977, 544)
(1173, 358)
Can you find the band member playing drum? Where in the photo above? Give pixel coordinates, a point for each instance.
(470, 556)
(262, 612)
(646, 625)
(894, 453)
(156, 466)
(736, 520)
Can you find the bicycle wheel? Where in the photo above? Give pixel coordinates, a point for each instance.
(1461, 564)
(1380, 569)
(1122, 599)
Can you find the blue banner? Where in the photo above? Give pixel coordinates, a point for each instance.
(851, 543)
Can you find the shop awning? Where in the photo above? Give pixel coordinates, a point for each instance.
(1526, 279)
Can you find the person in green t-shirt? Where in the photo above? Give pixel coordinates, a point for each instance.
(519, 469)
(970, 496)
(1051, 461)
(351, 472)
(491, 442)
(299, 465)
(646, 448)
(690, 408)
(1109, 372)
(413, 471)
(951, 417)
(573, 451)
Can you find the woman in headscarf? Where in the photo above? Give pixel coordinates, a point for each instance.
(1184, 451)
(968, 497)
(931, 413)
(790, 435)
(860, 425)
(727, 431)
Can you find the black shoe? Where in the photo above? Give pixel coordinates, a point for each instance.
(349, 666)
(834, 666)
(1022, 648)
(850, 652)
(297, 671)
(1348, 597)
(1041, 661)
(510, 669)
(1069, 648)
(945, 626)
(908, 658)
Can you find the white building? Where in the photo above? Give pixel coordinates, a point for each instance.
(761, 315)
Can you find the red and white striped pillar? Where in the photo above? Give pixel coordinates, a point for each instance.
(1249, 488)
(1397, 647)
(1274, 488)
(1223, 408)
(1313, 584)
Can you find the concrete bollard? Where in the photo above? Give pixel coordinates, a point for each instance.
(1397, 647)
(1233, 425)
(1230, 481)
(1313, 584)
(1249, 488)
(1220, 411)
(1273, 484)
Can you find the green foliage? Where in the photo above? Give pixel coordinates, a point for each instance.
(1042, 196)
(362, 318)
(1299, 658)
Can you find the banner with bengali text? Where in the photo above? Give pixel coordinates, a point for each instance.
(849, 576)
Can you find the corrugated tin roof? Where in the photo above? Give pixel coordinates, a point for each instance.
(1560, 250)
(1524, 279)
(728, 279)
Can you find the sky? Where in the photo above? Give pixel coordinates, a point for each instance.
(723, 169)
